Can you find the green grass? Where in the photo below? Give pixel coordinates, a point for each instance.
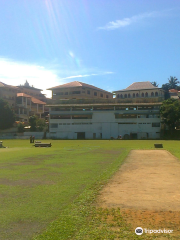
(49, 193)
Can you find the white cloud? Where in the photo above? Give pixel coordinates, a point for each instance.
(71, 54)
(128, 21)
(87, 75)
(16, 73)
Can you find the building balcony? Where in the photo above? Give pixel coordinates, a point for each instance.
(108, 101)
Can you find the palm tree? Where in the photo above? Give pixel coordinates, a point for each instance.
(155, 84)
(173, 82)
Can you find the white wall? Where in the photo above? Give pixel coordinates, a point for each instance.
(105, 122)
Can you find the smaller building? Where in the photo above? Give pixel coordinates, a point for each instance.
(139, 90)
(78, 90)
(174, 93)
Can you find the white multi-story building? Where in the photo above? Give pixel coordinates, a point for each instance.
(103, 121)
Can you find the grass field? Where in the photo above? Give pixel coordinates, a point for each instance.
(50, 193)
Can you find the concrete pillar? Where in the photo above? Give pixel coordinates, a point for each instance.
(30, 104)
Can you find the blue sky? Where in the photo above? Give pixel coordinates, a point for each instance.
(106, 43)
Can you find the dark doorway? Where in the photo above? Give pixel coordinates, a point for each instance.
(80, 135)
(133, 135)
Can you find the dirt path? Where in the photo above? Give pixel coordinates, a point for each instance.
(147, 189)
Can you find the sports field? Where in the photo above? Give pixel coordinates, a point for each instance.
(52, 193)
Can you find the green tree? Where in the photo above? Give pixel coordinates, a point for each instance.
(41, 124)
(173, 82)
(170, 112)
(7, 116)
(32, 123)
(166, 88)
(20, 127)
(155, 84)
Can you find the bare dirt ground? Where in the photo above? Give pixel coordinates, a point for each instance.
(147, 190)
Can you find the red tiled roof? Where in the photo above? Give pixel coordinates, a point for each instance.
(77, 84)
(173, 91)
(33, 99)
(23, 95)
(139, 86)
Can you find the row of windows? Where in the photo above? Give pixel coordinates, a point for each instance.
(74, 123)
(153, 124)
(117, 116)
(55, 125)
(137, 95)
(70, 116)
(103, 108)
(79, 92)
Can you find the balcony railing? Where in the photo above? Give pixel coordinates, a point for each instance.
(114, 100)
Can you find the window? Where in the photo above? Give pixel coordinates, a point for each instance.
(125, 96)
(66, 93)
(88, 92)
(152, 94)
(127, 123)
(156, 94)
(133, 95)
(129, 95)
(76, 92)
(54, 125)
(81, 108)
(155, 124)
(118, 96)
(121, 96)
(105, 108)
(142, 94)
(137, 94)
(95, 93)
(141, 116)
(81, 116)
(60, 116)
(125, 116)
(60, 109)
(101, 95)
(146, 94)
(107, 96)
